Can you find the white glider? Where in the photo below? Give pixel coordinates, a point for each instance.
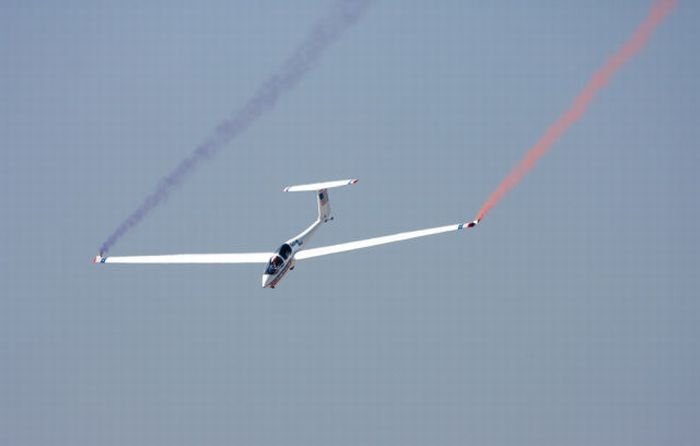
(283, 260)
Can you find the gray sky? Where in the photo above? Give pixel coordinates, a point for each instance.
(569, 317)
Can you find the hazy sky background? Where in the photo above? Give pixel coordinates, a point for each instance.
(570, 316)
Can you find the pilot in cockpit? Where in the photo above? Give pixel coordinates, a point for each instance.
(276, 262)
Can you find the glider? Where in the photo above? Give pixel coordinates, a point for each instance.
(283, 260)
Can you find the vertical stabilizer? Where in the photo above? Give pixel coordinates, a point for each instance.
(324, 207)
(321, 189)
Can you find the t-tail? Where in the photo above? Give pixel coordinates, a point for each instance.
(321, 189)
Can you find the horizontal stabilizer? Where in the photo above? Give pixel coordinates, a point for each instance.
(318, 186)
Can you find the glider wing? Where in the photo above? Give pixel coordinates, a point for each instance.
(248, 257)
(376, 241)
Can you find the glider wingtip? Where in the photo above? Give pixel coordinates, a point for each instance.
(471, 224)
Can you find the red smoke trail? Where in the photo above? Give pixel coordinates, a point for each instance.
(636, 43)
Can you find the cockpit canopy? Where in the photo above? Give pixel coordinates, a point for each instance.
(274, 264)
(278, 259)
(285, 250)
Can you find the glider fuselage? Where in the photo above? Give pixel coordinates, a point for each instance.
(282, 261)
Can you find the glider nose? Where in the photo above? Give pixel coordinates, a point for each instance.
(266, 279)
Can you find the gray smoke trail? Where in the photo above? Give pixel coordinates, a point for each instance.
(343, 14)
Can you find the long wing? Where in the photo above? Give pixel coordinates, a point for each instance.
(248, 257)
(376, 241)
